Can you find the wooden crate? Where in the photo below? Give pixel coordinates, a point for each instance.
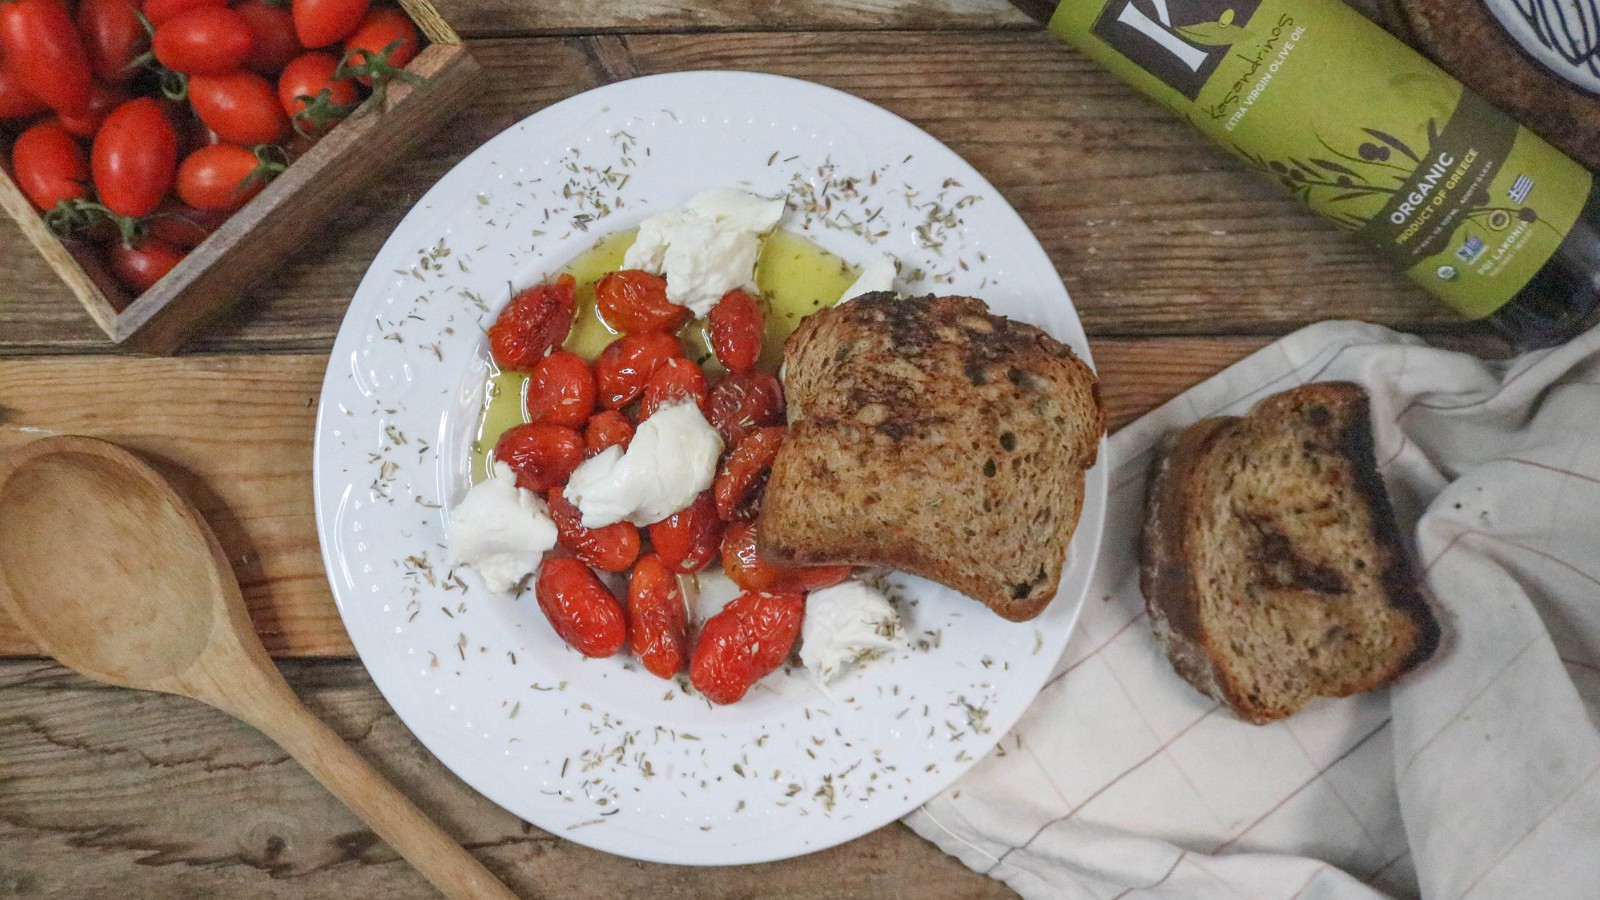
(279, 221)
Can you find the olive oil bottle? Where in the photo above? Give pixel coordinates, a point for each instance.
(1479, 210)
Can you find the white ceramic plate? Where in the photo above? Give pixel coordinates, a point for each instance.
(599, 751)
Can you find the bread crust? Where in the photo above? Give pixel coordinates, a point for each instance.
(1170, 581)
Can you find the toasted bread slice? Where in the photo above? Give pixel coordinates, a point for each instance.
(1271, 565)
(930, 436)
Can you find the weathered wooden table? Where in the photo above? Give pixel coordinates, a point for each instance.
(1180, 262)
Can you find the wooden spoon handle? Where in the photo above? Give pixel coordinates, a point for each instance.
(440, 859)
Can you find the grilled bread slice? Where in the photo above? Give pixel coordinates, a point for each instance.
(930, 436)
(1271, 565)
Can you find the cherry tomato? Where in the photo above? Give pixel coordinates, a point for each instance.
(159, 11)
(541, 454)
(133, 158)
(49, 165)
(113, 37)
(273, 42)
(658, 619)
(612, 548)
(379, 29)
(675, 381)
(319, 23)
(206, 40)
(748, 640)
(220, 177)
(183, 226)
(627, 363)
(308, 75)
(534, 323)
(745, 470)
(608, 428)
(45, 54)
(241, 107)
(561, 390)
(15, 101)
(745, 567)
(736, 329)
(688, 540)
(741, 401)
(103, 98)
(632, 301)
(138, 268)
(580, 608)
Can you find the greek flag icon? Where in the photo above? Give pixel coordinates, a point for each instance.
(1520, 189)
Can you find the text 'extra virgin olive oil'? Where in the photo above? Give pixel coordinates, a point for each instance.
(1474, 207)
(794, 276)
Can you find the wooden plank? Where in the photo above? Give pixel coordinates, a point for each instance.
(510, 18)
(1153, 230)
(235, 434)
(113, 793)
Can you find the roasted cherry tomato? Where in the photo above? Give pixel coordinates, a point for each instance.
(749, 639)
(241, 107)
(541, 454)
(612, 548)
(736, 328)
(139, 268)
(580, 608)
(113, 37)
(206, 40)
(386, 36)
(331, 99)
(534, 323)
(159, 11)
(183, 226)
(273, 43)
(103, 98)
(608, 428)
(134, 156)
(745, 567)
(15, 101)
(745, 470)
(675, 381)
(658, 619)
(319, 23)
(49, 165)
(632, 301)
(223, 177)
(45, 54)
(627, 363)
(741, 401)
(688, 540)
(561, 390)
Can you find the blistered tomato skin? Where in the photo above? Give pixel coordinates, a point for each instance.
(748, 640)
(623, 367)
(608, 428)
(561, 391)
(741, 401)
(612, 548)
(676, 381)
(688, 540)
(580, 609)
(745, 567)
(658, 619)
(533, 324)
(736, 328)
(745, 470)
(543, 455)
(633, 302)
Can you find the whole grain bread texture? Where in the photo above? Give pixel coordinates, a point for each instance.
(933, 437)
(1271, 565)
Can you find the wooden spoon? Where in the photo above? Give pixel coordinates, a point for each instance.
(117, 576)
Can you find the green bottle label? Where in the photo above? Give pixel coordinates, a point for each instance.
(1356, 124)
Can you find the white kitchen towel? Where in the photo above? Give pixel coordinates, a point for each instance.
(1477, 775)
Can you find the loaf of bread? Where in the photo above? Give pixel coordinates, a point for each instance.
(930, 436)
(1271, 565)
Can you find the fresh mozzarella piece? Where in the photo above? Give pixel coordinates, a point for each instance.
(671, 459)
(846, 625)
(501, 530)
(877, 275)
(706, 249)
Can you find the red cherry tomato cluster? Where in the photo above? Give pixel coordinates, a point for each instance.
(136, 126)
(578, 409)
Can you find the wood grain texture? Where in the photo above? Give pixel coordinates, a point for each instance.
(114, 793)
(506, 18)
(234, 433)
(1153, 230)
